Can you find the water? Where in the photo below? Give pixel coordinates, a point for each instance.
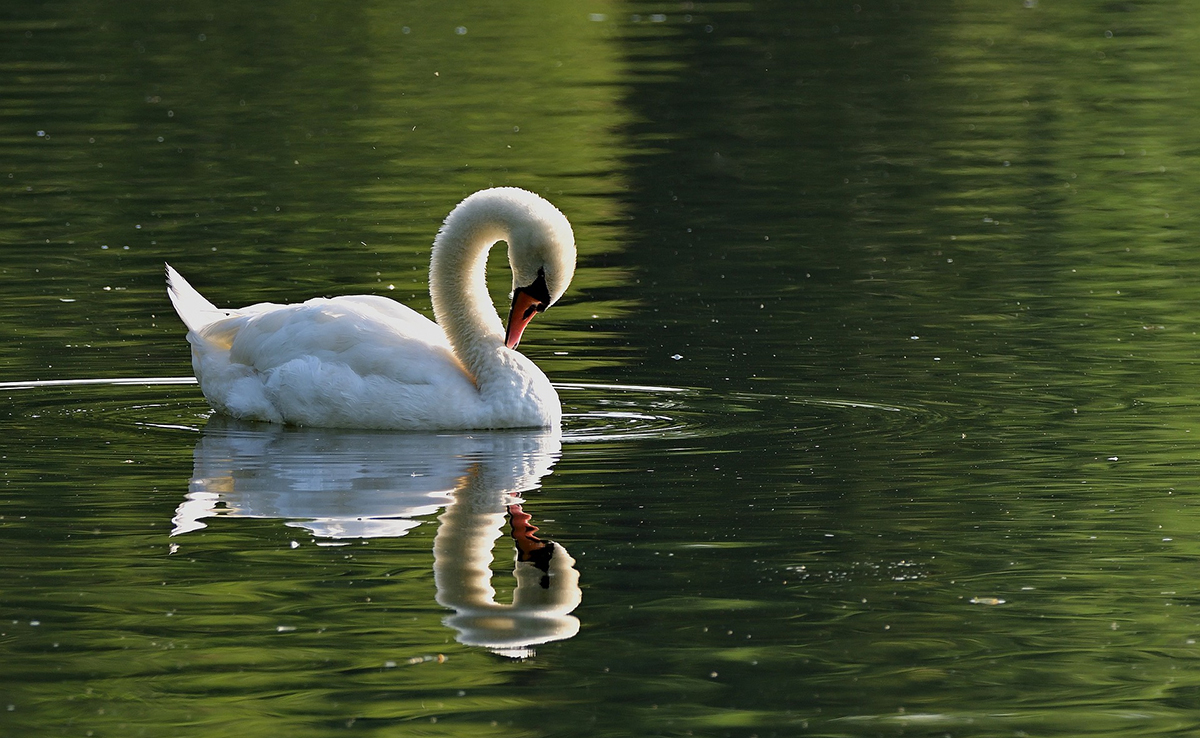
(879, 372)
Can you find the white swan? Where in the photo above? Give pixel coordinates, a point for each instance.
(365, 361)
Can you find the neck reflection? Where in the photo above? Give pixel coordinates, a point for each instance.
(341, 484)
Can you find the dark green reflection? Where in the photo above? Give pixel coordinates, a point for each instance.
(925, 271)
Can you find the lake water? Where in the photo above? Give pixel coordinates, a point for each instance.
(880, 371)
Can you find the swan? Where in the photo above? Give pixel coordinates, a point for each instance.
(365, 361)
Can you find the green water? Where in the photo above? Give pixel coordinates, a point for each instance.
(879, 369)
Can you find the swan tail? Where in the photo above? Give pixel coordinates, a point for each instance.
(195, 311)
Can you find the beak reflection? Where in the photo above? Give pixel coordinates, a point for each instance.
(341, 485)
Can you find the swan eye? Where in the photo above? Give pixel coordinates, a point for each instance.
(539, 291)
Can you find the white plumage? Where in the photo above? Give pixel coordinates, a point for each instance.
(365, 361)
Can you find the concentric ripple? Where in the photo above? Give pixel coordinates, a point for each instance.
(40, 407)
(615, 412)
(592, 412)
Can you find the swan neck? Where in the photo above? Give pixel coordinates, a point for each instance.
(458, 288)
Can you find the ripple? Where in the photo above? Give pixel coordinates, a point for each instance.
(615, 412)
(51, 407)
(592, 412)
(891, 420)
(138, 381)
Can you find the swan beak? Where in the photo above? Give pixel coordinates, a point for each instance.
(524, 307)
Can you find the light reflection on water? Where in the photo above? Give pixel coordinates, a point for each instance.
(593, 412)
(879, 367)
(345, 485)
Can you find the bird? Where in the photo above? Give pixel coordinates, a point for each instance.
(366, 361)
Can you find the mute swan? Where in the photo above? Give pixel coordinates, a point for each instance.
(365, 361)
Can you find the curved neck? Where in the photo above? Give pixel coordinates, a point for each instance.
(462, 557)
(458, 288)
(462, 550)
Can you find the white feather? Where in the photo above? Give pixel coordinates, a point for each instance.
(195, 311)
(366, 361)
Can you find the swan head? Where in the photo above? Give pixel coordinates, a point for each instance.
(541, 252)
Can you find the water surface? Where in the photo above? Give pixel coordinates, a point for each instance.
(878, 370)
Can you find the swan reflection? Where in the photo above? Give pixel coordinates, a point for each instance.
(345, 484)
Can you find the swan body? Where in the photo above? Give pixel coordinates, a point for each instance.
(365, 361)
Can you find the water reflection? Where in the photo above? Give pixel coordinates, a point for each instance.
(350, 484)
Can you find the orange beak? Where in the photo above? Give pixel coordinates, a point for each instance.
(524, 307)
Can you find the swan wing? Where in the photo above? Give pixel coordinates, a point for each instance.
(368, 335)
(358, 361)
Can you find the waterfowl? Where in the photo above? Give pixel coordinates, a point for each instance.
(366, 361)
